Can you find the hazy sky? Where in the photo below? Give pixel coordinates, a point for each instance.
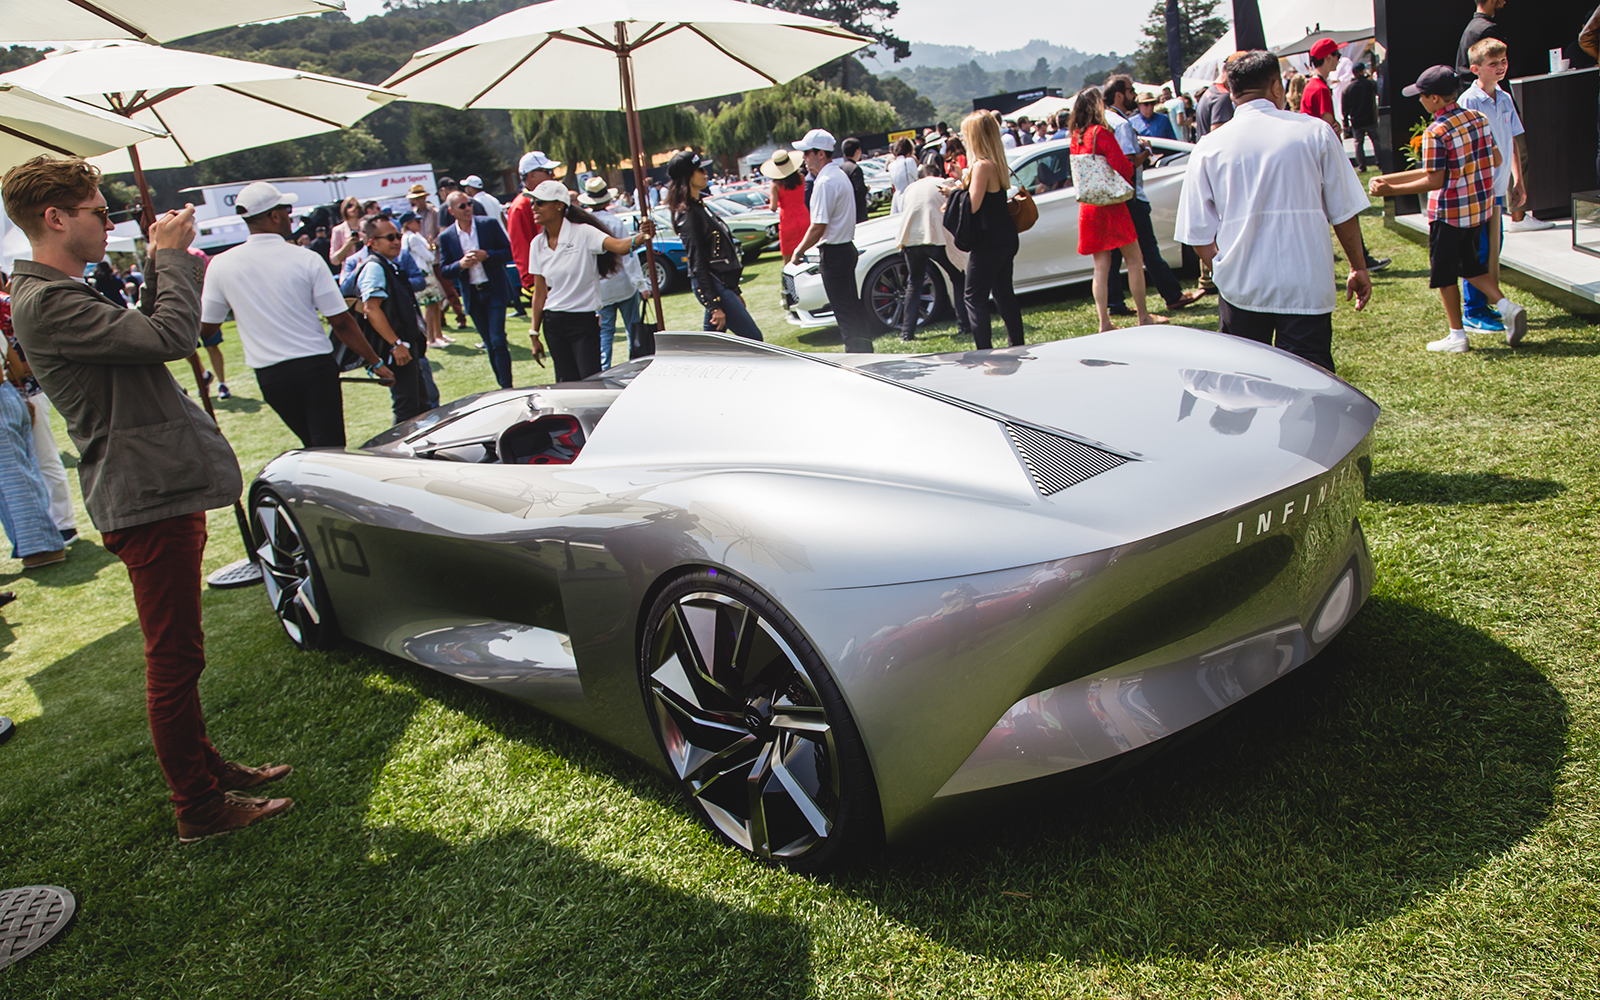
(1086, 25)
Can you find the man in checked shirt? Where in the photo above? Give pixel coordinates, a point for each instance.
(1457, 172)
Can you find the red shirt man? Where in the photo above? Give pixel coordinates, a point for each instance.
(1317, 101)
(520, 225)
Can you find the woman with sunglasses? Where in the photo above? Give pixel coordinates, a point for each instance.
(567, 259)
(346, 236)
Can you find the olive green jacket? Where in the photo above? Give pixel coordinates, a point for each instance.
(146, 451)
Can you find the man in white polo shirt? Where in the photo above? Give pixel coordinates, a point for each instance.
(833, 227)
(472, 184)
(275, 290)
(1257, 201)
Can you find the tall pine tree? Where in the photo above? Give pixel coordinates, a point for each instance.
(1198, 28)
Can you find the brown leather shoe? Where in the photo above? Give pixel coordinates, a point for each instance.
(1187, 299)
(237, 777)
(39, 559)
(227, 812)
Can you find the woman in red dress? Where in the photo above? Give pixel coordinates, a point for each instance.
(1105, 228)
(788, 199)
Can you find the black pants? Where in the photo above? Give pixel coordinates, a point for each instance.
(1155, 266)
(989, 273)
(304, 392)
(574, 342)
(409, 394)
(1309, 337)
(838, 268)
(917, 260)
(1362, 133)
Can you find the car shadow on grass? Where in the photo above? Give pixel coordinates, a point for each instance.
(353, 892)
(1411, 486)
(1412, 751)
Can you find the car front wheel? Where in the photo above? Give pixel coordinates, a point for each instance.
(753, 726)
(289, 570)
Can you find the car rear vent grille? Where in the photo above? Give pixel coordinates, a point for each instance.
(1057, 462)
(790, 294)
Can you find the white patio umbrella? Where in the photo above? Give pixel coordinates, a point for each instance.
(32, 123)
(144, 20)
(207, 105)
(621, 55)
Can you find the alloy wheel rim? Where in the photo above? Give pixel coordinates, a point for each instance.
(889, 291)
(287, 561)
(743, 726)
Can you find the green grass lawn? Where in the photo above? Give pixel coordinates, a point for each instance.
(1413, 814)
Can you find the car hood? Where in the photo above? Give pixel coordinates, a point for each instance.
(1208, 408)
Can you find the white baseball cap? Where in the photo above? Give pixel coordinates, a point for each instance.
(535, 160)
(552, 191)
(260, 197)
(472, 181)
(817, 138)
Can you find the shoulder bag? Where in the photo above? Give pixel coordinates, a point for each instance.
(1024, 210)
(1098, 183)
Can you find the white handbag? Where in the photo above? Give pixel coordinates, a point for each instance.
(1097, 182)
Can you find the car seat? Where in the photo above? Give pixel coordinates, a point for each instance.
(555, 439)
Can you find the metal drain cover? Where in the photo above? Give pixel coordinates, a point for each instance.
(30, 917)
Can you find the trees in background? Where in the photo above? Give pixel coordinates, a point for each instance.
(599, 139)
(1198, 28)
(787, 112)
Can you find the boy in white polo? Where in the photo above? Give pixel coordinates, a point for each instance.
(1485, 96)
(275, 290)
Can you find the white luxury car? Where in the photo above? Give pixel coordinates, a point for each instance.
(1048, 255)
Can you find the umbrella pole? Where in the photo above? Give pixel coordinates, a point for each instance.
(147, 216)
(636, 145)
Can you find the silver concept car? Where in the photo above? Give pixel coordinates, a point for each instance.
(835, 596)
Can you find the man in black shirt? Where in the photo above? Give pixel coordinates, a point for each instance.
(1482, 25)
(1360, 101)
(852, 169)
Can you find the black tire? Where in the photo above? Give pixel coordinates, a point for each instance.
(752, 724)
(884, 294)
(289, 569)
(666, 275)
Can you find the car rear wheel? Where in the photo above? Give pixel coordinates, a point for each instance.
(884, 294)
(751, 723)
(289, 570)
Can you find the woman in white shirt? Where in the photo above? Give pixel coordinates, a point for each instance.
(567, 260)
(924, 240)
(431, 297)
(902, 172)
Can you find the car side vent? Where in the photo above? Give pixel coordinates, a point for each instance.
(1057, 462)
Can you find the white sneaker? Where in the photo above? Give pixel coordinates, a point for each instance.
(1528, 225)
(1516, 320)
(1454, 343)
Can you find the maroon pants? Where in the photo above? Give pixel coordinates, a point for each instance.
(163, 560)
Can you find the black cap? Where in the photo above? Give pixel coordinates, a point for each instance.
(682, 165)
(1439, 81)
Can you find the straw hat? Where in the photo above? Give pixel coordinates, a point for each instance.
(782, 164)
(595, 192)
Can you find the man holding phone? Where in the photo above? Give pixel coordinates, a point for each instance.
(152, 461)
